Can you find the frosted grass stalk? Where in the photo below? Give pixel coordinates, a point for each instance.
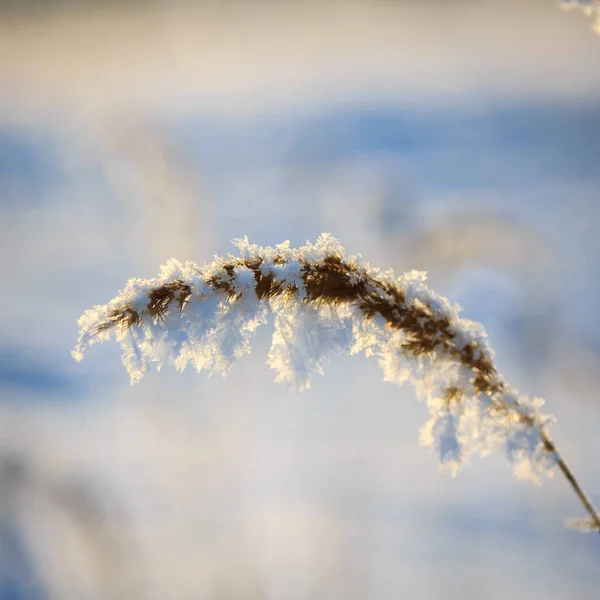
(323, 303)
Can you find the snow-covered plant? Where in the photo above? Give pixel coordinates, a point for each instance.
(591, 9)
(323, 303)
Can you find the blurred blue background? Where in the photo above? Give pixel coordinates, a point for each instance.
(456, 137)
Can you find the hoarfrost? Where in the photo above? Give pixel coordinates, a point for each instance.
(323, 304)
(590, 8)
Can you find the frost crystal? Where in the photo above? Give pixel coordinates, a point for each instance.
(590, 8)
(324, 303)
(586, 525)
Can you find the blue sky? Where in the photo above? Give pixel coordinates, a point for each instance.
(476, 161)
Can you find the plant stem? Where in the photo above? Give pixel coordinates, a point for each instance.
(566, 471)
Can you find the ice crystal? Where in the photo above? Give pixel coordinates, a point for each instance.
(323, 303)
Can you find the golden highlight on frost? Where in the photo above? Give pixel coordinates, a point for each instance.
(323, 303)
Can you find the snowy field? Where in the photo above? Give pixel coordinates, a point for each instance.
(459, 138)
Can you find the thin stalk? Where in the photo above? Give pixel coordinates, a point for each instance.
(566, 471)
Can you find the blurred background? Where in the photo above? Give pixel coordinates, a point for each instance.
(453, 136)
